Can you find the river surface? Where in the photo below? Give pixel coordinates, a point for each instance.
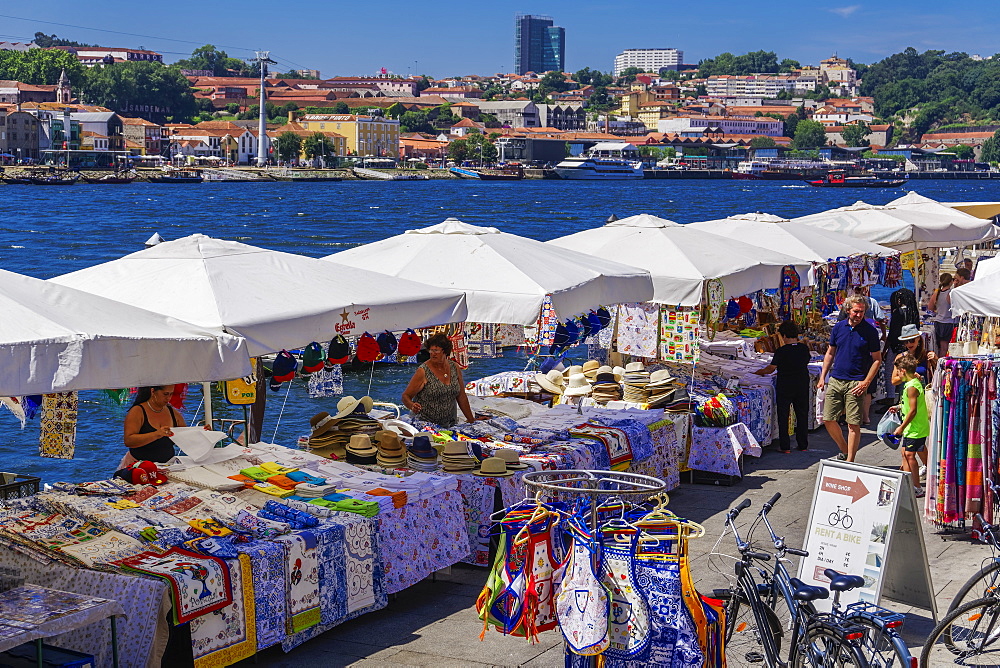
(45, 232)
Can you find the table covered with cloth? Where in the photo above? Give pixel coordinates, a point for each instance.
(718, 450)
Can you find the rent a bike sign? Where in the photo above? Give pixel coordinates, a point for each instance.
(864, 521)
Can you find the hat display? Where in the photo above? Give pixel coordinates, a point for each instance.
(577, 386)
(493, 467)
(321, 423)
(511, 459)
(633, 367)
(456, 458)
(339, 351)
(553, 382)
(590, 368)
(660, 378)
(573, 370)
(390, 449)
(595, 323)
(573, 332)
(909, 332)
(283, 369)
(368, 350)
(312, 358)
(361, 444)
(409, 343)
(604, 317)
(585, 328)
(387, 343)
(421, 456)
(636, 380)
(348, 405)
(618, 375)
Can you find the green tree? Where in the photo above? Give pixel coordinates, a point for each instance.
(46, 41)
(555, 81)
(124, 87)
(458, 150)
(215, 60)
(480, 147)
(288, 146)
(628, 74)
(809, 134)
(41, 67)
(990, 151)
(341, 108)
(318, 145)
(856, 134)
(415, 121)
(393, 111)
(423, 83)
(963, 152)
(233, 108)
(762, 142)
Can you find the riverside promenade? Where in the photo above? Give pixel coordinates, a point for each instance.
(434, 623)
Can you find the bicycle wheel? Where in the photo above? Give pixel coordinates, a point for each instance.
(833, 519)
(882, 648)
(981, 585)
(746, 638)
(967, 636)
(825, 647)
(847, 522)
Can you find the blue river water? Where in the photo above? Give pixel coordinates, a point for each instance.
(45, 232)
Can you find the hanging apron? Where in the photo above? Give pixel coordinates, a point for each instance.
(583, 603)
(539, 605)
(628, 626)
(673, 635)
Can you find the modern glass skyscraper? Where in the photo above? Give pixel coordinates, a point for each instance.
(539, 46)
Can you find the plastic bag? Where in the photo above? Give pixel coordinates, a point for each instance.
(886, 426)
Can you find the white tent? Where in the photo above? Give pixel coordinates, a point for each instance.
(57, 339)
(681, 258)
(275, 300)
(505, 277)
(980, 297)
(809, 244)
(909, 222)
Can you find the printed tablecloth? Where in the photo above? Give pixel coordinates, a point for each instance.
(718, 450)
(501, 383)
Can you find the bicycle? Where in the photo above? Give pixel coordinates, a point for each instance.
(986, 581)
(754, 633)
(882, 645)
(971, 633)
(841, 518)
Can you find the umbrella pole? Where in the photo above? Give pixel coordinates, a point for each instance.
(371, 377)
(206, 391)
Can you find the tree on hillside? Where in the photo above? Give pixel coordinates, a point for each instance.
(555, 81)
(963, 152)
(392, 111)
(628, 74)
(415, 121)
(856, 134)
(341, 108)
(215, 60)
(750, 63)
(46, 41)
(41, 67)
(763, 142)
(288, 146)
(589, 77)
(809, 134)
(991, 149)
(123, 87)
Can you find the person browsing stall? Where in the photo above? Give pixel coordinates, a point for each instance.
(913, 409)
(149, 424)
(852, 359)
(944, 322)
(791, 385)
(437, 391)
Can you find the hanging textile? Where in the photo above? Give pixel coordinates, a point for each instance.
(481, 340)
(326, 382)
(509, 335)
(58, 433)
(680, 328)
(638, 329)
(545, 329)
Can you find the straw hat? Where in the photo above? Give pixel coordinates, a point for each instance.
(361, 445)
(573, 370)
(605, 378)
(590, 368)
(660, 378)
(552, 382)
(348, 405)
(578, 386)
(321, 423)
(494, 467)
(511, 459)
(617, 374)
(619, 371)
(634, 366)
(455, 448)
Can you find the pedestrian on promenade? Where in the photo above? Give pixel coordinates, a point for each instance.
(915, 425)
(944, 322)
(852, 360)
(791, 386)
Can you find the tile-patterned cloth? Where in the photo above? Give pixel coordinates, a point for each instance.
(58, 432)
(230, 634)
(638, 329)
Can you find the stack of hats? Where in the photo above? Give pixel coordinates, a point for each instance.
(636, 381)
(590, 369)
(661, 386)
(494, 467)
(391, 453)
(606, 386)
(422, 457)
(323, 431)
(553, 382)
(360, 450)
(511, 459)
(577, 386)
(456, 458)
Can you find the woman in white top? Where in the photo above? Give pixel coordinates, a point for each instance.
(944, 322)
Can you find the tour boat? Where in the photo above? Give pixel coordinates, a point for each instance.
(607, 160)
(838, 179)
(178, 176)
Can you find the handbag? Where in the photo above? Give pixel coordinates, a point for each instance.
(886, 426)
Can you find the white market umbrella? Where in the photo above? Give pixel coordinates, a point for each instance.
(275, 300)
(681, 258)
(980, 297)
(909, 222)
(809, 244)
(56, 339)
(505, 277)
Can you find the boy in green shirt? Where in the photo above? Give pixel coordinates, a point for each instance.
(913, 409)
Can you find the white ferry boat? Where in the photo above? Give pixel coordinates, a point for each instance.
(607, 160)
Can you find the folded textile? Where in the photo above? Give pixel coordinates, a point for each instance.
(365, 508)
(299, 519)
(303, 477)
(260, 527)
(277, 469)
(257, 473)
(308, 507)
(273, 490)
(282, 481)
(398, 498)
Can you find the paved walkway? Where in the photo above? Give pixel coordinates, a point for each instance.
(434, 623)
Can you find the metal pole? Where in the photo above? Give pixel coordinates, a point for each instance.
(206, 389)
(263, 58)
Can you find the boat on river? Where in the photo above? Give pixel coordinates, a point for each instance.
(604, 161)
(54, 180)
(17, 180)
(111, 179)
(509, 172)
(839, 179)
(178, 176)
(781, 170)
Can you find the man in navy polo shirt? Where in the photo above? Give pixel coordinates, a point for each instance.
(852, 360)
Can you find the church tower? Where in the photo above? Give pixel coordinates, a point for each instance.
(63, 93)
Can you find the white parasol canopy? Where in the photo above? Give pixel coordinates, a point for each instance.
(912, 221)
(505, 277)
(275, 300)
(680, 258)
(809, 244)
(56, 339)
(980, 297)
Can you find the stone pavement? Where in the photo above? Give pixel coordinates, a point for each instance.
(434, 623)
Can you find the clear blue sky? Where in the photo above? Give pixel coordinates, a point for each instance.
(451, 38)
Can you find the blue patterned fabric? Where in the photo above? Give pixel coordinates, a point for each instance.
(638, 435)
(267, 560)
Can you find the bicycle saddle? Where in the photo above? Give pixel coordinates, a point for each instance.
(804, 592)
(843, 582)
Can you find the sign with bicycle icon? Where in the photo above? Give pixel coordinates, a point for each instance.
(864, 521)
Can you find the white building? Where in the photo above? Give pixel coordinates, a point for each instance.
(648, 60)
(758, 85)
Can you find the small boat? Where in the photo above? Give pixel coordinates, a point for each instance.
(607, 160)
(53, 180)
(511, 172)
(178, 176)
(17, 180)
(464, 173)
(838, 179)
(114, 179)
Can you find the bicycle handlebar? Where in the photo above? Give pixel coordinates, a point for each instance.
(770, 504)
(739, 509)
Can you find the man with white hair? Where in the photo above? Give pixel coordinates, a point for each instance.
(852, 360)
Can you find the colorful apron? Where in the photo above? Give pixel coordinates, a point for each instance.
(583, 603)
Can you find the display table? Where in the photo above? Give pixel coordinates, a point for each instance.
(718, 450)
